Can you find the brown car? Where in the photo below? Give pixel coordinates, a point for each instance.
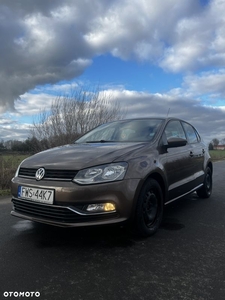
(123, 171)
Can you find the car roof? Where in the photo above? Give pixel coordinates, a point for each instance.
(148, 118)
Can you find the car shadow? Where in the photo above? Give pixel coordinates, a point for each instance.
(174, 212)
(51, 236)
(104, 236)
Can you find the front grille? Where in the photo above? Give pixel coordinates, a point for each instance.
(49, 174)
(54, 213)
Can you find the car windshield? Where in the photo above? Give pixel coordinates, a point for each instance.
(123, 131)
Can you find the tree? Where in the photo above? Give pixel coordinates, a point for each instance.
(215, 142)
(222, 142)
(2, 146)
(72, 115)
(210, 146)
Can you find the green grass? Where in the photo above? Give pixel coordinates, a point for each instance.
(4, 192)
(217, 154)
(15, 159)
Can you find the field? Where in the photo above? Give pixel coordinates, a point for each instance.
(8, 166)
(10, 162)
(217, 154)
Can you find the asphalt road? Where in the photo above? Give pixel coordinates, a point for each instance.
(185, 260)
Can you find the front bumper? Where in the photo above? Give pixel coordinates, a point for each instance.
(70, 198)
(63, 216)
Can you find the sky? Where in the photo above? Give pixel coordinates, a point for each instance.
(151, 56)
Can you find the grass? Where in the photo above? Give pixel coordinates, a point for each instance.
(8, 166)
(4, 192)
(15, 159)
(217, 154)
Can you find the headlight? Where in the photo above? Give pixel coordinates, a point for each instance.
(100, 174)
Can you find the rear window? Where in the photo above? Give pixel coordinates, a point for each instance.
(191, 133)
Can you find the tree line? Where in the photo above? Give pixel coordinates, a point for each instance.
(26, 146)
(215, 142)
(33, 144)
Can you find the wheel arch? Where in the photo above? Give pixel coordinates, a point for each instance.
(210, 165)
(156, 176)
(155, 186)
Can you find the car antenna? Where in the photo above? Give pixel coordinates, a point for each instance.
(168, 112)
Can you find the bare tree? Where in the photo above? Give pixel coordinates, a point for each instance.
(72, 115)
(222, 142)
(215, 142)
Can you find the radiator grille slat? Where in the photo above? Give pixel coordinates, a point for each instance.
(49, 174)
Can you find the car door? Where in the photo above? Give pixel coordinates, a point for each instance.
(197, 151)
(177, 162)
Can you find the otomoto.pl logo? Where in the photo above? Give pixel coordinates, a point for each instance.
(21, 294)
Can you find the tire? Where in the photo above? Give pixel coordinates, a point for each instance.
(206, 190)
(149, 209)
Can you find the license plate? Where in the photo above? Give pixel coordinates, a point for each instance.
(37, 195)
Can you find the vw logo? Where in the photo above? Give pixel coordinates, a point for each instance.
(40, 173)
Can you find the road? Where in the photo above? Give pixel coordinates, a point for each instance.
(185, 260)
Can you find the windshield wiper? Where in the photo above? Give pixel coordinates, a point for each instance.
(100, 141)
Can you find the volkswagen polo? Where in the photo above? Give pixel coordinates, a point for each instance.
(120, 172)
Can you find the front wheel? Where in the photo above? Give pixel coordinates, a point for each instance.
(149, 210)
(206, 190)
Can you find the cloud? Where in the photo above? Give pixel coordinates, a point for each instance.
(138, 28)
(48, 41)
(199, 41)
(210, 121)
(38, 46)
(12, 129)
(210, 83)
(45, 42)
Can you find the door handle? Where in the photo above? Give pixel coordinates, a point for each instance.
(191, 154)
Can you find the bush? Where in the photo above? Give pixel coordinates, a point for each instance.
(6, 172)
(8, 166)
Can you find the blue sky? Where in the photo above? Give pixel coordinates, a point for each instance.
(133, 75)
(148, 55)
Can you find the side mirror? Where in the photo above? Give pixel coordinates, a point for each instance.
(176, 142)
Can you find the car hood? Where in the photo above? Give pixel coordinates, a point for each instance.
(80, 156)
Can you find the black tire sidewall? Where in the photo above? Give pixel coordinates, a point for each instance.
(140, 225)
(204, 192)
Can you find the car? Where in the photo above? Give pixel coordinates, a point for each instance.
(122, 172)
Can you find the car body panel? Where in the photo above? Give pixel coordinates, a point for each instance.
(80, 156)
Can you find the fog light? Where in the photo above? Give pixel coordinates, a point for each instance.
(101, 207)
(109, 207)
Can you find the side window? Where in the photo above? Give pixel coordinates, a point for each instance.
(192, 136)
(174, 129)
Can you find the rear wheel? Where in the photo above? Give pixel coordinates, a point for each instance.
(206, 190)
(149, 210)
